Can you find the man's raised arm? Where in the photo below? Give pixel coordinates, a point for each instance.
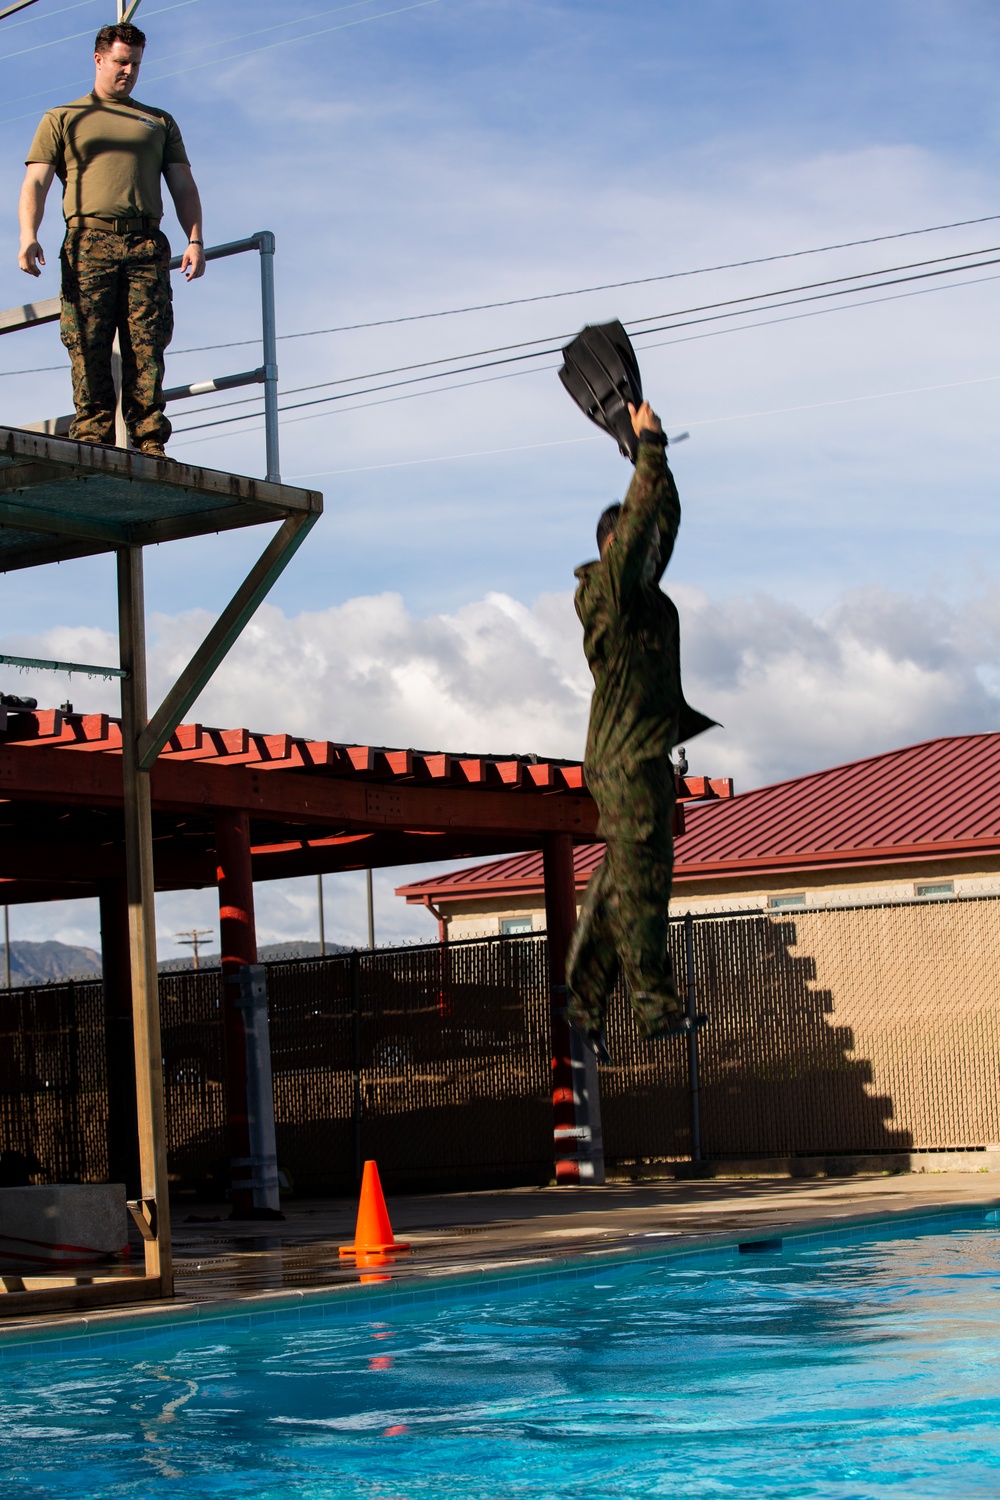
(651, 509)
(30, 208)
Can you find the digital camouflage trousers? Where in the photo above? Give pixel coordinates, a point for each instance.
(623, 921)
(114, 283)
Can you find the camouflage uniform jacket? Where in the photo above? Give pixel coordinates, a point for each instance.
(631, 630)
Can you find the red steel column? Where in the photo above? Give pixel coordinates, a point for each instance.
(560, 918)
(238, 941)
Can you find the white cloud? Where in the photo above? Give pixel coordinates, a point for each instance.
(494, 675)
(795, 690)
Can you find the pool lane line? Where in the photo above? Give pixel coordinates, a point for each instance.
(352, 1301)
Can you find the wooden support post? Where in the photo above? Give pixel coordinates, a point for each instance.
(142, 922)
(122, 1124)
(579, 1151)
(238, 940)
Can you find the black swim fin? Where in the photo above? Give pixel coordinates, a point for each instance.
(601, 373)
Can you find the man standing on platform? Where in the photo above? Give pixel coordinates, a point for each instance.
(109, 153)
(637, 716)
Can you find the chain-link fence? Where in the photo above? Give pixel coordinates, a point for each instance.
(53, 1080)
(832, 1031)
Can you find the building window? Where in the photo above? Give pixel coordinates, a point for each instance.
(935, 888)
(515, 926)
(781, 903)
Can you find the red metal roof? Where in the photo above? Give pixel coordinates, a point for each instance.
(937, 799)
(332, 806)
(52, 728)
(314, 805)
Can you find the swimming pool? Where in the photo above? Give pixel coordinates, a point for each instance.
(860, 1367)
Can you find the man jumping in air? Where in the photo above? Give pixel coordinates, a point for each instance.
(109, 153)
(637, 716)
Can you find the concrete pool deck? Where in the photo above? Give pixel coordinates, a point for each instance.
(221, 1261)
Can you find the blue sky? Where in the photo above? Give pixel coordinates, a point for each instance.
(835, 569)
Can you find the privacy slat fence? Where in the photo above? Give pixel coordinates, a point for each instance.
(831, 1031)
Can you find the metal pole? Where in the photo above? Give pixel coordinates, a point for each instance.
(371, 910)
(355, 962)
(153, 1208)
(6, 947)
(260, 1166)
(692, 1042)
(265, 242)
(322, 923)
(577, 1136)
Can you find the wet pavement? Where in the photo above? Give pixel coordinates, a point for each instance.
(455, 1232)
(218, 1260)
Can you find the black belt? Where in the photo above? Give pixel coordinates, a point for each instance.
(131, 224)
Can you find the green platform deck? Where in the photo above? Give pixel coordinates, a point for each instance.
(60, 499)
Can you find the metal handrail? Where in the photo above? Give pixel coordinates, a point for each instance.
(30, 314)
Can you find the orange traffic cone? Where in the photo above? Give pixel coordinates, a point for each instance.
(373, 1232)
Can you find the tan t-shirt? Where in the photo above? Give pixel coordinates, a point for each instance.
(108, 154)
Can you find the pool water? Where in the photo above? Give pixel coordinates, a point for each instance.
(827, 1369)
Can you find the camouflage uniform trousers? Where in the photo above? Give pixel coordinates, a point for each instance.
(114, 283)
(624, 915)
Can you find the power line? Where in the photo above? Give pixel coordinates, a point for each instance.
(607, 286)
(461, 385)
(555, 347)
(547, 369)
(75, 36)
(235, 56)
(714, 333)
(744, 416)
(394, 385)
(822, 296)
(289, 41)
(47, 15)
(731, 302)
(35, 370)
(169, 56)
(582, 291)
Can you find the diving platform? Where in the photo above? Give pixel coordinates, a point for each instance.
(61, 499)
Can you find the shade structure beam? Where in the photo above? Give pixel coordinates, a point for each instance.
(226, 630)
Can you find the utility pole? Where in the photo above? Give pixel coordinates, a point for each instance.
(371, 910)
(322, 922)
(126, 10)
(6, 947)
(194, 938)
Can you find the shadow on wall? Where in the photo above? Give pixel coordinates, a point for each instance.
(778, 1077)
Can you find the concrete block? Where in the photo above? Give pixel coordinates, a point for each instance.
(63, 1225)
